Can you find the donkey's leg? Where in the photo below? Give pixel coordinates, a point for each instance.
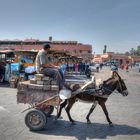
(68, 108)
(61, 107)
(102, 104)
(91, 110)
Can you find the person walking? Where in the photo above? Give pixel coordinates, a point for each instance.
(114, 68)
(127, 67)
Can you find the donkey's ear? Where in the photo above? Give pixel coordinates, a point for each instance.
(114, 75)
(118, 75)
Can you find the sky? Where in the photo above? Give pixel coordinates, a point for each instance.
(115, 23)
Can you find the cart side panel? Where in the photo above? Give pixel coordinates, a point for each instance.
(32, 93)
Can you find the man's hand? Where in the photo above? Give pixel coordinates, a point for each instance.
(51, 66)
(41, 68)
(54, 66)
(57, 67)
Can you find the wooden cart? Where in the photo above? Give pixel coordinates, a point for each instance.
(42, 94)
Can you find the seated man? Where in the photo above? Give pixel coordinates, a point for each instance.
(44, 66)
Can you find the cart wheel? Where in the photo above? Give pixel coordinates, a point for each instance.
(48, 110)
(35, 120)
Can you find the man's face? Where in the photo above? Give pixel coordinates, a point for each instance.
(47, 49)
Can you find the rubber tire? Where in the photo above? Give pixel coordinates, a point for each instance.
(41, 115)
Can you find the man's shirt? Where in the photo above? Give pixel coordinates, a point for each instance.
(41, 59)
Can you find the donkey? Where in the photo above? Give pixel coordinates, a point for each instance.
(98, 96)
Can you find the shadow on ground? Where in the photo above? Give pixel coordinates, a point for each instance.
(82, 130)
(5, 84)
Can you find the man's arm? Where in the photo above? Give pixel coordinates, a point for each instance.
(44, 64)
(42, 59)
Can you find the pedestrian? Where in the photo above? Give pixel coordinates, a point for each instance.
(101, 65)
(76, 67)
(114, 68)
(122, 66)
(127, 67)
(97, 67)
(131, 65)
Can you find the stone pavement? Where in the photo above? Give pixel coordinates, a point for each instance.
(123, 111)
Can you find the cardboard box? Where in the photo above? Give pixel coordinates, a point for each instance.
(40, 82)
(53, 82)
(48, 82)
(46, 78)
(39, 77)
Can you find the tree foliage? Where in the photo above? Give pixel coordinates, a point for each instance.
(134, 51)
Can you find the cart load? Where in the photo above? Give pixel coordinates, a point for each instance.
(37, 89)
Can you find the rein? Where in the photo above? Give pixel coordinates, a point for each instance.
(109, 90)
(120, 86)
(114, 90)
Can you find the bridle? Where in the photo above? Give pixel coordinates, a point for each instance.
(113, 90)
(120, 85)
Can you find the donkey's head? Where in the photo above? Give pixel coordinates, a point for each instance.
(121, 86)
(115, 83)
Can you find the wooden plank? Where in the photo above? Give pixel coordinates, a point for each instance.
(46, 87)
(33, 81)
(54, 87)
(34, 96)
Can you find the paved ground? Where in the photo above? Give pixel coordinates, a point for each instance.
(123, 111)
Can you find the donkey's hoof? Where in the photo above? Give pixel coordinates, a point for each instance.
(56, 117)
(73, 122)
(111, 124)
(88, 122)
(60, 117)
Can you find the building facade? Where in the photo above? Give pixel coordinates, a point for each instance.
(121, 58)
(73, 47)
